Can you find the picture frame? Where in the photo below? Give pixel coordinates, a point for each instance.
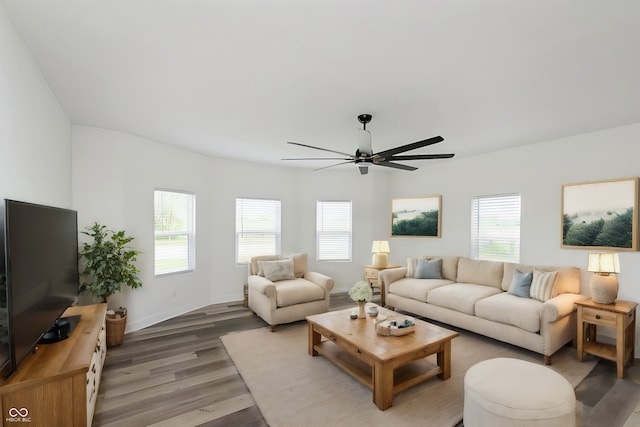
(600, 215)
(416, 217)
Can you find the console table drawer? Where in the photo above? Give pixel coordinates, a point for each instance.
(371, 273)
(599, 317)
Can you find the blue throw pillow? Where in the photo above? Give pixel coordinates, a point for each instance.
(521, 283)
(429, 269)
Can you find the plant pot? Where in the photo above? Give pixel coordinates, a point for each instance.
(116, 323)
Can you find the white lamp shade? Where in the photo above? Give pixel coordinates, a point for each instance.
(604, 263)
(380, 246)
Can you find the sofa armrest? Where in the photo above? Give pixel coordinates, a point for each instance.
(560, 306)
(262, 285)
(390, 275)
(321, 280)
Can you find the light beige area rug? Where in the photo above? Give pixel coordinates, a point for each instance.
(293, 389)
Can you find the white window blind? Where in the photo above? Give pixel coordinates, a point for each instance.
(257, 228)
(333, 230)
(495, 228)
(174, 231)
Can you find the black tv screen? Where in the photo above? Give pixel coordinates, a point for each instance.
(41, 264)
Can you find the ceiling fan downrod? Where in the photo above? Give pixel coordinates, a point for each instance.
(364, 119)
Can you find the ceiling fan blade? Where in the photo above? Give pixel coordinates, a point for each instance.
(363, 170)
(395, 165)
(337, 164)
(316, 158)
(323, 149)
(421, 157)
(388, 153)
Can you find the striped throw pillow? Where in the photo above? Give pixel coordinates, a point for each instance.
(542, 284)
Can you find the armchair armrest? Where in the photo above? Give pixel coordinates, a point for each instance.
(559, 306)
(321, 280)
(262, 285)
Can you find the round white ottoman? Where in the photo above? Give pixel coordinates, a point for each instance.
(511, 392)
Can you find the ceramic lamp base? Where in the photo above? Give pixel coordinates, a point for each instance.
(604, 289)
(380, 260)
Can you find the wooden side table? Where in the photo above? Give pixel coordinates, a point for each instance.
(620, 316)
(371, 276)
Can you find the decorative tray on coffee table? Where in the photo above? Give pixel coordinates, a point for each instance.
(395, 326)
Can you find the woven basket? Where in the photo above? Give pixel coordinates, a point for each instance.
(386, 329)
(116, 323)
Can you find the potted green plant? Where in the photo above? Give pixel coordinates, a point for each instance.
(108, 264)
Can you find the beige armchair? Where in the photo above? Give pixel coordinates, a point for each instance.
(283, 290)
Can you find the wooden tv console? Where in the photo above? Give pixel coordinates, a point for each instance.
(57, 385)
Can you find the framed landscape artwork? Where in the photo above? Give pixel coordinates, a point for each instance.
(602, 215)
(418, 217)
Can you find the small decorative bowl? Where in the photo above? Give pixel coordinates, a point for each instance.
(372, 311)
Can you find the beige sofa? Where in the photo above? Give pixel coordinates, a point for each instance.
(478, 296)
(281, 293)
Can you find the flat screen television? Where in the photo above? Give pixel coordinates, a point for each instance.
(39, 275)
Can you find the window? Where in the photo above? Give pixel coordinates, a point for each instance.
(257, 228)
(333, 230)
(495, 228)
(174, 231)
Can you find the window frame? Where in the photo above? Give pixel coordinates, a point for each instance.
(502, 235)
(277, 230)
(189, 233)
(349, 233)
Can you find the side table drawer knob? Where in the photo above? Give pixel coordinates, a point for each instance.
(597, 316)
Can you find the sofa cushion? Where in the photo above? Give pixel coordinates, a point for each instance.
(412, 265)
(449, 266)
(460, 296)
(567, 281)
(487, 273)
(542, 284)
(297, 291)
(277, 270)
(509, 309)
(521, 284)
(429, 269)
(416, 289)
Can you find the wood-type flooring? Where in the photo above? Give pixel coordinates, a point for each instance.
(178, 373)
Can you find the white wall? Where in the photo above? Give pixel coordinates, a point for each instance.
(35, 133)
(537, 172)
(114, 175)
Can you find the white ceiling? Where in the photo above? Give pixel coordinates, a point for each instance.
(239, 78)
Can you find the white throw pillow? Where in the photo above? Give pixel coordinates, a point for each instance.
(542, 284)
(277, 270)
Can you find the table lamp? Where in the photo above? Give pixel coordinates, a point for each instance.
(604, 282)
(380, 251)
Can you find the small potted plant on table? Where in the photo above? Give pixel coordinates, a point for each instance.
(109, 263)
(361, 293)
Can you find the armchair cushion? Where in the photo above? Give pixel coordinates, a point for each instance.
(277, 270)
(297, 291)
(300, 264)
(254, 267)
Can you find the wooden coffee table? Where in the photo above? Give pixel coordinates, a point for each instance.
(385, 364)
